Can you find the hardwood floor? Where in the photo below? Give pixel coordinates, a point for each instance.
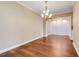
(51, 46)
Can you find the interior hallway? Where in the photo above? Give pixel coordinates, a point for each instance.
(53, 45)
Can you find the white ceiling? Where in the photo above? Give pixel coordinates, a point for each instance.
(53, 6)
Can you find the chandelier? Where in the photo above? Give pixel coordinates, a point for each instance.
(46, 15)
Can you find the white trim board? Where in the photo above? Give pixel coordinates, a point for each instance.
(15, 46)
(76, 48)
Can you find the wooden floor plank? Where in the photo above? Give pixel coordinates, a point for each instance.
(51, 46)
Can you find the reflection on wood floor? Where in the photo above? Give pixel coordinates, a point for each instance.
(51, 46)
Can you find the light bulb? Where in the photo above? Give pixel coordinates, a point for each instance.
(44, 11)
(42, 15)
(64, 21)
(50, 15)
(46, 14)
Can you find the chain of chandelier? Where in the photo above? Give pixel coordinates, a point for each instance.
(46, 15)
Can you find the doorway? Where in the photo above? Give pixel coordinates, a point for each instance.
(59, 26)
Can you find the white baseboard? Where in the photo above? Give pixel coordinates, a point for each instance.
(76, 48)
(15, 46)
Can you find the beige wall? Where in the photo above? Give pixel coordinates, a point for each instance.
(76, 25)
(18, 24)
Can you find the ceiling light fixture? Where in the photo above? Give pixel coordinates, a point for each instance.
(45, 15)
